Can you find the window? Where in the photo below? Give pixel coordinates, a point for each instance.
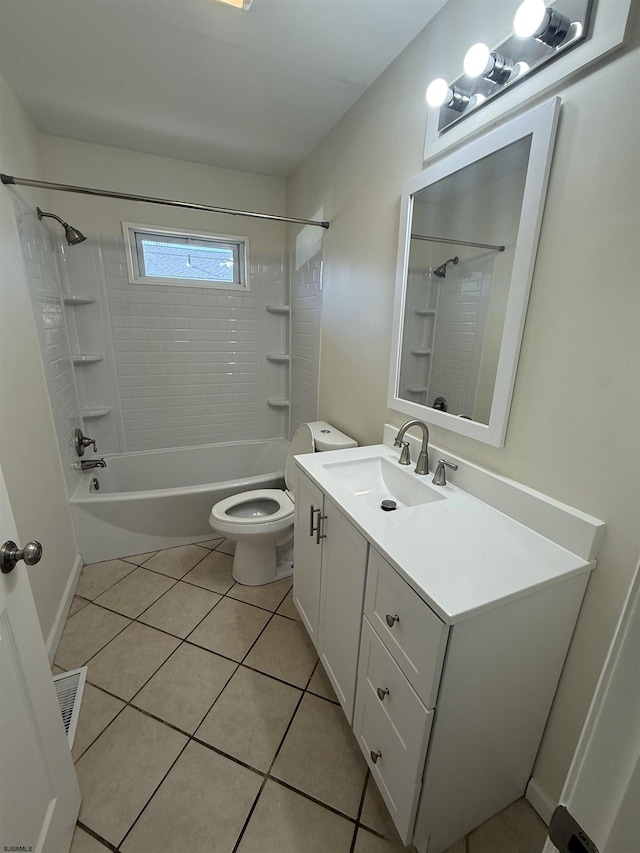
(187, 258)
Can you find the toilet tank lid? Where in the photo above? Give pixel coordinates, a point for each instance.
(327, 437)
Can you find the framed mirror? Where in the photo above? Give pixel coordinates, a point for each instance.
(469, 227)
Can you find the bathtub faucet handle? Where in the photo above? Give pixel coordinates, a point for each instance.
(81, 441)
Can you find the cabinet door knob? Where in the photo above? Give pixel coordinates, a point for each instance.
(382, 693)
(391, 620)
(375, 756)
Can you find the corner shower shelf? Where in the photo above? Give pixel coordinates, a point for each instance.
(278, 357)
(420, 352)
(278, 404)
(425, 312)
(277, 309)
(77, 299)
(417, 389)
(99, 412)
(87, 357)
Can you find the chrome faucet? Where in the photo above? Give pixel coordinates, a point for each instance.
(89, 464)
(440, 477)
(422, 465)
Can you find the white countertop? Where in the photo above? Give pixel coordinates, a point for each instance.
(459, 554)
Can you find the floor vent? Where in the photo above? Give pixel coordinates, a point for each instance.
(69, 688)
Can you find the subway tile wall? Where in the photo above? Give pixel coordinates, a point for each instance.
(306, 308)
(44, 290)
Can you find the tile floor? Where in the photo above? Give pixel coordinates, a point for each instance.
(208, 725)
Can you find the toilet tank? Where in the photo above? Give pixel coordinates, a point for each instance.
(327, 437)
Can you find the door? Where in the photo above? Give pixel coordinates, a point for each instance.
(307, 552)
(344, 569)
(39, 794)
(602, 789)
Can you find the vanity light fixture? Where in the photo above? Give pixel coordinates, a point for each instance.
(238, 4)
(480, 62)
(534, 19)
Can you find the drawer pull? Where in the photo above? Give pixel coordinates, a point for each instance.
(391, 620)
(382, 693)
(313, 511)
(375, 756)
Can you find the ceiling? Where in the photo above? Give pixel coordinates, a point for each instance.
(255, 90)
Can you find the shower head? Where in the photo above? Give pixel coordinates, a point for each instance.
(441, 271)
(72, 234)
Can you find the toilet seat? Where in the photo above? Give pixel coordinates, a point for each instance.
(224, 519)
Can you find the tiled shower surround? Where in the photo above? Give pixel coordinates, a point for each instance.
(173, 365)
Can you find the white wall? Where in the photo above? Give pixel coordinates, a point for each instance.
(28, 446)
(576, 397)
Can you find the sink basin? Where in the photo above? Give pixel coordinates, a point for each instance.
(376, 479)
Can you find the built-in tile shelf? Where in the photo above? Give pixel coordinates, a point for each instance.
(277, 309)
(77, 299)
(277, 404)
(98, 412)
(420, 352)
(278, 357)
(417, 389)
(425, 312)
(87, 357)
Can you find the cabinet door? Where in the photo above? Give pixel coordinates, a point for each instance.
(344, 566)
(307, 553)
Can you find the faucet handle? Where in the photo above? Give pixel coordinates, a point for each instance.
(440, 476)
(81, 441)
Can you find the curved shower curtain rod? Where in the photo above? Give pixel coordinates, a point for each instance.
(68, 188)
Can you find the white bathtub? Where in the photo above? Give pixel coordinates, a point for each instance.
(161, 498)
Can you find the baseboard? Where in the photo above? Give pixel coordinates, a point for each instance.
(540, 800)
(65, 603)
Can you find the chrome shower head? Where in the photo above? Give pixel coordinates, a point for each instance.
(441, 271)
(72, 234)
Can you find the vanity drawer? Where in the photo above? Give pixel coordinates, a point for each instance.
(411, 631)
(397, 767)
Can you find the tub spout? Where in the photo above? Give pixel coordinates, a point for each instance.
(89, 464)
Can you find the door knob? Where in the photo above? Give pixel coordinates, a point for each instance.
(382, 693)
(375, 756)
(10, 555)
(391, 620)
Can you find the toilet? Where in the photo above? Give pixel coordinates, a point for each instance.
(260, 522)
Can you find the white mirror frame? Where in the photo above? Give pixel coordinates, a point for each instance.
(540, 123)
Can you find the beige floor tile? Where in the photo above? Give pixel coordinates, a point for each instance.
(212, 543)
(185, 687)
(226, 547)
(200, 807)
(180, 609)
(375, 814)
(135, 593)
(285, 651)
(321, 757)
(230, 629)
(320, 684)
(517, 829)
(85, 843)
(459, 847)
(367, 842)
(121, 770)
(85, 633)
(139, 559)
(268, 595)
(77, 603)
(96, 578)
(56, 670)
(176, 562)
(132, 658)
(288, 608)
(214, 573)
(250, 718)
(97, 710)
(286, 822)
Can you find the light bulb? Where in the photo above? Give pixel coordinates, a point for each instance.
(476, 60)
(528, 18)
(438, 92)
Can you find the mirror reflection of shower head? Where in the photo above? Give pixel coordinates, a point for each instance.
(72, 234)
(441, 271)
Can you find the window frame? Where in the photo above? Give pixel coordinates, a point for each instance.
(136, 275)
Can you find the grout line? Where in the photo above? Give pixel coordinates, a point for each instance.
(97, 837)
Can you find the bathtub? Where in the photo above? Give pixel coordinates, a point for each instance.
(161, 498)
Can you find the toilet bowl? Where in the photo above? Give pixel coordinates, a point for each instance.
(260, 522)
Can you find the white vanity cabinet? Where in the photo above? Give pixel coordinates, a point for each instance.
(330, 563)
